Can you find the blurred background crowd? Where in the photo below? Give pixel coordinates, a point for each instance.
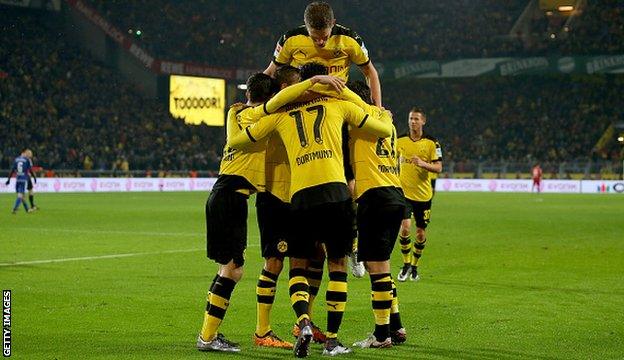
(78, 113)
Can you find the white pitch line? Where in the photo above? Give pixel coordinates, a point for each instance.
(114, 232)
(113, 256)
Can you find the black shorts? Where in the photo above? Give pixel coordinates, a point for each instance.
(421, 211)
(226, 226)
(378, 228)
(29, 186)
(274, 224)
(327, 223)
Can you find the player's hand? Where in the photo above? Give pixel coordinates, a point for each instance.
(237, 105)
(419, 162)
(337, 83)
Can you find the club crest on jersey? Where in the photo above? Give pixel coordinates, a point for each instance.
(282, 246)
(337, 52)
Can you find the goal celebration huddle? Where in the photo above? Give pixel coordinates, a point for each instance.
(336, 186)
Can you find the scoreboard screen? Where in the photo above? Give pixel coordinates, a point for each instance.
(197, 100)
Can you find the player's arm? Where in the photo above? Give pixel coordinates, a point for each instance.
(380, 127)
(370, 72)
(281, 56)
(346, 94)
(8, 180)
(31, 170)
(270, 70)
(435, 165)
(359, 56)
(292, 92)
(253, 132)
(232, 127)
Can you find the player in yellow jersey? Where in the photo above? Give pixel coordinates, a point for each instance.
(321, 40)
(241, 173)
(379, 214)
(419, 157)
(273, 213)
(321, 201)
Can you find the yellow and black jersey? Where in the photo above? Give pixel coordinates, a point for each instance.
(312, 134)
(343, 47)
(434, 175)
(374, 159)
(244, 171)
(237, 165)
(277, 169)
(414, 179)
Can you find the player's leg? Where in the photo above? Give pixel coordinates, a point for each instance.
(378, 233)
(300, 246)
(422, 214)
(31, 194)
(18, 202)
(338, 242)
(315, 276)
(357, 267)
(272, 217)
(405, 241)
(226, 238)
(397, 331)
(20, 188)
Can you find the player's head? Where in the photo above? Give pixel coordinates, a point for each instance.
(319, 21)
(260, 88)
(287, 75)
(311, 69)
(359, 87)
(28, 153)
(417, 118)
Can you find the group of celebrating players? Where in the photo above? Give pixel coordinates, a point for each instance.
(311, 146)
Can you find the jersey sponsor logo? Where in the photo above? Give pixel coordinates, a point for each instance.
(315, 155)
(385, 169)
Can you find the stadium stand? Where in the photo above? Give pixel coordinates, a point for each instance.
(77, 113)
(59, 101)
(218, 33)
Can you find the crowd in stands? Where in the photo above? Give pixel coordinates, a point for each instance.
(550, 118)
(77, 114)
(243, 33)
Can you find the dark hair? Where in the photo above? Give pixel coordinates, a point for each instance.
(260, 87)
(287, 75)
(318, 15)
(359, 87)
(312, 69)
(418, 109)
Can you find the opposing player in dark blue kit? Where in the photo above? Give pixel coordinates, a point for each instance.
(22, 168)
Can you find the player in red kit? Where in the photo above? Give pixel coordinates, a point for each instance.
(537, 177)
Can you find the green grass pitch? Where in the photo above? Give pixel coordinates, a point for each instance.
(504, 276)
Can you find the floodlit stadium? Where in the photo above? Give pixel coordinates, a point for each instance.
(281, 179)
